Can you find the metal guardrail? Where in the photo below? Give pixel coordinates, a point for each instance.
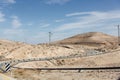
(6, 65)
(79, 69)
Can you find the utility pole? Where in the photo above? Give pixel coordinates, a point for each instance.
(50, 37)
(118, 34)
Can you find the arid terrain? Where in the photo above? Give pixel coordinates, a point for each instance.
(94, 49)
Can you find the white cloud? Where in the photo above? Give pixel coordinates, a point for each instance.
(7, 1)
(13, 32)
(4, 3)
(96, 13)
(57, 1)
(43, 25)
(41, 37)
(16, 22)
(90, 19)
(77, 14)
(59, 20)
(11, 1)
(2, 19)
(14, 17)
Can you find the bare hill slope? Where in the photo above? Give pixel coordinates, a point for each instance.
(7, 47)
(90, 38)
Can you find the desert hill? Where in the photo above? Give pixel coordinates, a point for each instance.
(18, 50)
(8, 46)
(90, 38)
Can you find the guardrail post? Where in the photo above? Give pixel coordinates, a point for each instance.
(79, 70)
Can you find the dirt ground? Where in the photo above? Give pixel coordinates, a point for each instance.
(22, 74)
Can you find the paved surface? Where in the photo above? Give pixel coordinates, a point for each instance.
(4, 77)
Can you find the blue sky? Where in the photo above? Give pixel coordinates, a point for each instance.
(31, 20)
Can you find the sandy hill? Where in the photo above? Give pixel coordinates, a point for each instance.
(18, 50)
(7, 47)
(4, 42)
(90, 38)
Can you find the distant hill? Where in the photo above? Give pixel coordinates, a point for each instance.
(90, 38)
(5, 42)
